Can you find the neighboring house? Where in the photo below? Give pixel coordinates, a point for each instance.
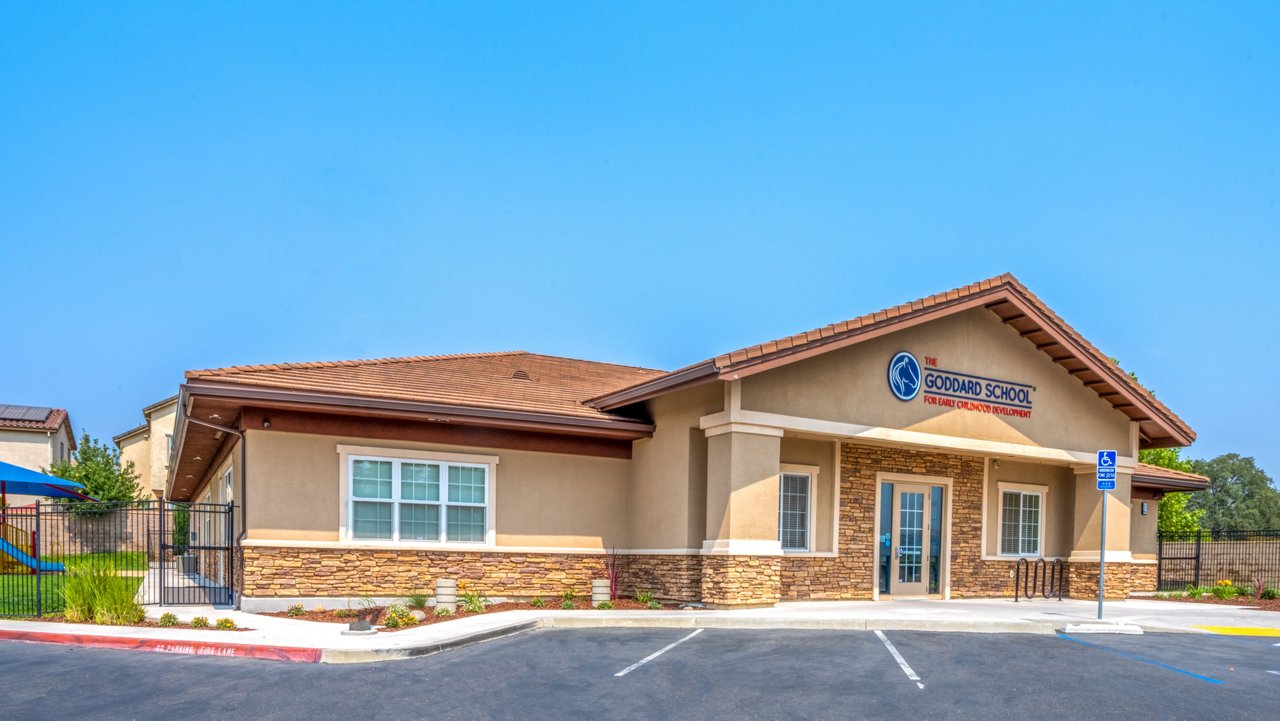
(149, 445)
(34, 437)
(920, 451)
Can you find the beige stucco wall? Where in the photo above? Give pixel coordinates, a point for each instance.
(819, 453)
(161, 425)
(136, 449)
(1143, 542)
(850, 386)
(539, 499)
(30, 449)
(668, 493)
(1058, 485)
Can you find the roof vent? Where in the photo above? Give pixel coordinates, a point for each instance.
(521, 375)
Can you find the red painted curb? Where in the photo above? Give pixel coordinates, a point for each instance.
(163, 645)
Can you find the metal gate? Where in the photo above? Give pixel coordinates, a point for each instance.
(163, 553)
(196, 550)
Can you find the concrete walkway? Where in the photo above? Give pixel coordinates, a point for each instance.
(290, 639)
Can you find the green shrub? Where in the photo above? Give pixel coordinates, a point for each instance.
(473, 602)
(1195, 592)
(1225, 592)
(167, 619)
(1269, 594)
(604, 606)
(537, 602)
(444, 611)
(568, 595)
(418, 601)
(566, 604)
(226, 624)
(653, 604)
(644, 597)
(397, 616)
(94, 592)
(200, 622)
(296, 610)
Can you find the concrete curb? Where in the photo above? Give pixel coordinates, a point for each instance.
(374, 655)
(162, 645)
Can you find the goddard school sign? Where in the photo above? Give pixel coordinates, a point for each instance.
(908, 378)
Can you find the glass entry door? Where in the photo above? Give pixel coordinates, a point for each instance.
(910, 559)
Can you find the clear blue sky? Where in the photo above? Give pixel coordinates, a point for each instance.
(195, 185)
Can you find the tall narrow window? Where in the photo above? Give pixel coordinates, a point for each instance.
(1019, 523)
(793, 512)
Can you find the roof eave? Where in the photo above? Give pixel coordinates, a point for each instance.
(704, 372)
(478, 415)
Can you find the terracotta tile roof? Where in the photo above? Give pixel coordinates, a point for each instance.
(514, 380)
(1146, 470)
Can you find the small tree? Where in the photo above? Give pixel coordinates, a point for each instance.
(97, 467)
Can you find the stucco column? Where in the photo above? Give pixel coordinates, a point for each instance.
(742, 555)
(1088, 517)
(742, 489)
(1123, 575)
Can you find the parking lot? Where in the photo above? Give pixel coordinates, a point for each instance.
(677, 674)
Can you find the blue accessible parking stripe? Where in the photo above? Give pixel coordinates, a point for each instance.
(1133, 657)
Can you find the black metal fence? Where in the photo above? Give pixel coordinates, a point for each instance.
(1202, 558)
(171, 554)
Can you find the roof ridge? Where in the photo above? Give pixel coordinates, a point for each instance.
(233, 370)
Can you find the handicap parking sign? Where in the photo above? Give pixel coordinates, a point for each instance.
(1106, 470)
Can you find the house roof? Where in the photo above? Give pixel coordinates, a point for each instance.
(131, 432)
(1159, 476)
(508, 381)
(1002, 295)
(36, 418)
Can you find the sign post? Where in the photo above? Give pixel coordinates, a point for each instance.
(1106, 476)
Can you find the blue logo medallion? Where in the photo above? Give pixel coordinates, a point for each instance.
(904, 376)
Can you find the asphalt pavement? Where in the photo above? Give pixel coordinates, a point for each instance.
(675, 674)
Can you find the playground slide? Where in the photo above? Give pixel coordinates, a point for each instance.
(22, 557)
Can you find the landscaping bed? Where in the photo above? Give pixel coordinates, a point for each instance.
(1262, 604)
(378, 614)
(1225, 593)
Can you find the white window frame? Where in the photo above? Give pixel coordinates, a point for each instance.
(1021, 490)
(789, 469)
(228, 482)
(444, 462)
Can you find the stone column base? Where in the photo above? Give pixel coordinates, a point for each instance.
(1123, 579)
(741, 581)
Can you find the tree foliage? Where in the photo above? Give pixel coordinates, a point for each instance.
(97, 466)
(1240, 495)
(1174, 514)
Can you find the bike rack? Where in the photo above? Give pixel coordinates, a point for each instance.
(1047, 578)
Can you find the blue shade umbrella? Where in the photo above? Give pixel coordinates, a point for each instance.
(26, 482)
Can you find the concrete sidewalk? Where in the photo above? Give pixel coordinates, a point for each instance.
(295, 640)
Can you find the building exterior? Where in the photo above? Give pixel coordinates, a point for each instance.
(34, 437)
(920, 451)
(148, 445)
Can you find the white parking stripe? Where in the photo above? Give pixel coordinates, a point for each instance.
(906, 668)
(655, 654)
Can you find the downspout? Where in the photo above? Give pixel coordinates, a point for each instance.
(244, 517)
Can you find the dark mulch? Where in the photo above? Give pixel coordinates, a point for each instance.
(551, 604)
(1259, 603)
